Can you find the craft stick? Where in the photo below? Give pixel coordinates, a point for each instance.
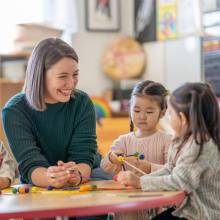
(134, 167)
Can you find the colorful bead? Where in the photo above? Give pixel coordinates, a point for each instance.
(27, 189)
(34, 189)
(50, 187)
(136, 154)
(14, 190)
(85, 188)
(21, 190)
(94, 186)
(120, 159)
(115, 178)
(141, 156)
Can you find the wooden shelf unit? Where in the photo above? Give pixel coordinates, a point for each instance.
(9, 87)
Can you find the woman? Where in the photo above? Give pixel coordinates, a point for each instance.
(51, 126)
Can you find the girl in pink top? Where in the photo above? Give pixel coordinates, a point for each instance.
(148, 106)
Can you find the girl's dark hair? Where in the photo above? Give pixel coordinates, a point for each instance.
(153, 89)
(47, 52)
(199, 104)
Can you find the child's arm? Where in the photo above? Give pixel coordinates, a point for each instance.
(167, 144)
(109, 163)
(187, 172)
(7, 169)
(149, 167)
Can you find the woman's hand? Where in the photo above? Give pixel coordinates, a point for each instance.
(57, 176)
(129, 179)
(72, 168)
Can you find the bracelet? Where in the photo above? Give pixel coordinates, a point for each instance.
(80, 176)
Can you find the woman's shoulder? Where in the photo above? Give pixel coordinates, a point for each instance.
(15, 100)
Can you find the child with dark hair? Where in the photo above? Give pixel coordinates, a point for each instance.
(193, 160)
(147, 106)
(7, 168)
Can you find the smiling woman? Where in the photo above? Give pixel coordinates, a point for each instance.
(51, 125)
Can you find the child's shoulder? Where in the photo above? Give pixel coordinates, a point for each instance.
(127, 135)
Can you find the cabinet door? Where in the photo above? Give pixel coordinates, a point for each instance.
(182, 62)
(7, 89)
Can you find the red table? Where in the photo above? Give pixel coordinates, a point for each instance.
(65, 203)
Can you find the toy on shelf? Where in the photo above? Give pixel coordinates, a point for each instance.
(101, 106)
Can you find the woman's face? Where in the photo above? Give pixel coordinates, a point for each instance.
(60, 80)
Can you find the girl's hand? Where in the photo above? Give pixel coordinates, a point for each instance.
(57, 176)
(129, 179)
(113, 158)
(144, 166)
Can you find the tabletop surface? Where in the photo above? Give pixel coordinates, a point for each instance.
(109, 197)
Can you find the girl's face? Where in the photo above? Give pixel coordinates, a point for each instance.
(145, 114)
(177, 121)
(60, 80)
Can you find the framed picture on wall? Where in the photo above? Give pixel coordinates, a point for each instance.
(102, 15)
(145, 20)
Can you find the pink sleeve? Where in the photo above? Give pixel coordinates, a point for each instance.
(117, 146)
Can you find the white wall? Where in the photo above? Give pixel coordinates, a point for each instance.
(174, 62)
(171, 62)
(90, 47)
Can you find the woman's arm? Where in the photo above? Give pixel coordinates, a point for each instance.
(56, 176)
(19, 131)
(39, 177)
(83, 146)
(85, 171)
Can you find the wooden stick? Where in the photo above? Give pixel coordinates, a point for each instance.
(134, 167)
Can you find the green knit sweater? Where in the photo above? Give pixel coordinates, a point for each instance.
(64, 131)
